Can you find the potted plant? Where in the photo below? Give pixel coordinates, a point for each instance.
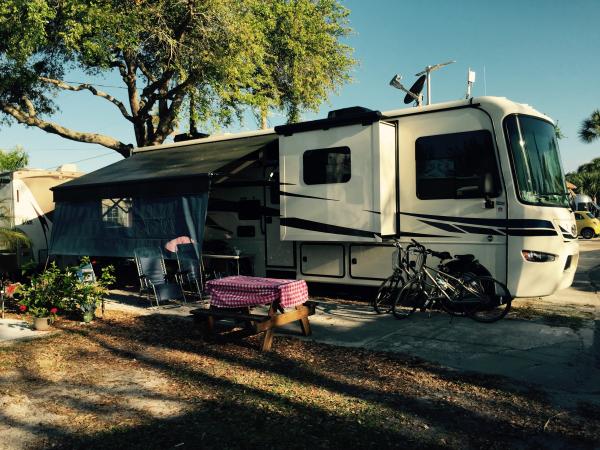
(46, 294)
(88, 293)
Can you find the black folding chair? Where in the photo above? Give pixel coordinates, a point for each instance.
(153, 276)
(189, 263)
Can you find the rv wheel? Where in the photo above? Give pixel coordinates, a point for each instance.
(587, 233)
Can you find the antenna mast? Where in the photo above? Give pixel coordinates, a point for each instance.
(427, 73)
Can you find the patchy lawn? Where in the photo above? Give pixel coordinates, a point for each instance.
(553, 314)
(150, 382)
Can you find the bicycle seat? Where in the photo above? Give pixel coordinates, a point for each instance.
(465, 258)
(441, 255)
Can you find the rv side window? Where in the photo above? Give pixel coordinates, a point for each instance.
(326, 165)
(116, 212)
(454, 165)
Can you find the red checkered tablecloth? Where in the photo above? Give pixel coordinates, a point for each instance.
(240, 291)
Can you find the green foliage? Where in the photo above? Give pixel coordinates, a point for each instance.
(53, 288)
(11, 160)
(15, 159)
(587, 178)
(64, 290)
(87, 295)
(590, 128)
(264, 54)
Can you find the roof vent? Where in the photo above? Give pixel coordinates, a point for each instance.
(69, 167)
(352, 111)
(189, 136)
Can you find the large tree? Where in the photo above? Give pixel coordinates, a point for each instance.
(202, 59)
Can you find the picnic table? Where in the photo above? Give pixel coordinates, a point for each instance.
(234, 297)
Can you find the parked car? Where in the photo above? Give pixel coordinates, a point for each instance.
(587, 225)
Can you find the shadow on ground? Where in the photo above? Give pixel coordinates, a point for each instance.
(184, 393)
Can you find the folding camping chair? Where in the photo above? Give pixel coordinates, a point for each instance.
(153, 276)
(190, 267)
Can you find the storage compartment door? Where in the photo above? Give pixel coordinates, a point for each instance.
(371, 262)
(325, 260)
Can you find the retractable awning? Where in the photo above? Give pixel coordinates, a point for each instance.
(177, 169)
(156, 196)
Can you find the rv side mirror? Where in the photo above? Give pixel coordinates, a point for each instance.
(488, 185)
(488, 188)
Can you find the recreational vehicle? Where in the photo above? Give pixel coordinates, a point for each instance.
(583, 202)
(26, 205)
(322, 200)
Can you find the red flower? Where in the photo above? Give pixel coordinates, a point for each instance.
(22, 308)
(10, 289)
(53, 310)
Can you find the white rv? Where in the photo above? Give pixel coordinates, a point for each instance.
(26, 204)
(322, 199)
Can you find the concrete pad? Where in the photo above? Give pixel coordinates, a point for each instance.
(14, 330)
(557, 358)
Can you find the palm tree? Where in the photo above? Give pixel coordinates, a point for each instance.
(592, 166)
(10, 237)
(590, 127)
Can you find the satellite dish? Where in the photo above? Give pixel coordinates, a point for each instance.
(416, 89)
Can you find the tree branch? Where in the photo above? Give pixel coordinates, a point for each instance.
(151, 78)
(166, 124)
(51, 127)
(67, 87)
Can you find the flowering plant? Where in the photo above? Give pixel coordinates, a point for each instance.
(47, 292)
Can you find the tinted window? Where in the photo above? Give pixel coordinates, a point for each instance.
(326, 165)
(453, 165)
(578, 216)
(536, 161)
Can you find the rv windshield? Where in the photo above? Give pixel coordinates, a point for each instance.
(536, 161)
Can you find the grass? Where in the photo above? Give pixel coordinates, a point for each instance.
(555, 315)
(150, 382)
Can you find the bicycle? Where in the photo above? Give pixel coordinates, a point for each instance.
(403, 269)
(482, 298)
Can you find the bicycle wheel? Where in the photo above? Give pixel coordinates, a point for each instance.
(489, 302)
(383, 301)
(450, 298)
(410, 297)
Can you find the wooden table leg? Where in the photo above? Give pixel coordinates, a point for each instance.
(305, 326)
(267, 340)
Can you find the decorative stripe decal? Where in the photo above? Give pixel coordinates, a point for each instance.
(513, 223)
(409, 234)
(443, 226)
(566, 234)
(303, 224)
(289, 194)
(513, 232)
(480, 230)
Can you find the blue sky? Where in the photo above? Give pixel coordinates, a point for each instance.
(544, 53)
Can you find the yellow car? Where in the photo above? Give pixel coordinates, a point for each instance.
(587, 225)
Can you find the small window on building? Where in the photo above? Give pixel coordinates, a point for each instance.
(326, 165)
(116, 212)
(454, 165)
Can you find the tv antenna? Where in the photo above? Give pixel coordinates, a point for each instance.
(427, 73)
(470, 82)
(414, 94)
